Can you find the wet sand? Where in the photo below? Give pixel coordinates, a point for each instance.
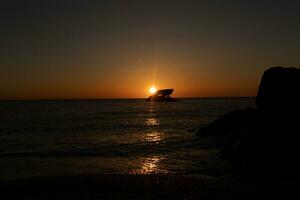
(153, 186)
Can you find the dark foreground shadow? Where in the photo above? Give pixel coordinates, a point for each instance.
(155, 186)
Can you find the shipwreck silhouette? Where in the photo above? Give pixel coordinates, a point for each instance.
(162, 95)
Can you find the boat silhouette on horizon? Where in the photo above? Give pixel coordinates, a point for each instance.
(162, 95)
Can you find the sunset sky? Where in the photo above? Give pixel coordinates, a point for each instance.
(119, 49)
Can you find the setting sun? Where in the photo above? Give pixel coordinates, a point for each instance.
(152, 90)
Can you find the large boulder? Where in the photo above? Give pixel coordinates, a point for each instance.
(279, 89)
(263, 141)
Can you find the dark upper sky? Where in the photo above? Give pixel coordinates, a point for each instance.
(109, 48)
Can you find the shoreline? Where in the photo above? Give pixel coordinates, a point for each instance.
(145, 186)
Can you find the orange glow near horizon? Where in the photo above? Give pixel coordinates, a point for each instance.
(131, 81)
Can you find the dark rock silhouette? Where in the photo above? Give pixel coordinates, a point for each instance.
(279, 89)
(162, 95)
(264, 140)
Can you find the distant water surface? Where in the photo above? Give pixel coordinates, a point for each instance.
(65, 137)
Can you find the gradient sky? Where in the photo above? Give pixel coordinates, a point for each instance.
(118, 49)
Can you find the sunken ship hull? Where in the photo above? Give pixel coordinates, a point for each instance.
(162, 95)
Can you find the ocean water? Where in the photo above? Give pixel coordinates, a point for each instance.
(126, 136)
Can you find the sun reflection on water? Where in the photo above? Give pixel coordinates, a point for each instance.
(154, 136)
(152, 121)
(151, 165)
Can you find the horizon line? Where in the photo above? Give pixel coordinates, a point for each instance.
(116, 98)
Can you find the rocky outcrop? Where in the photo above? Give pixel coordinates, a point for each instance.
(264, 140)
(279, 89)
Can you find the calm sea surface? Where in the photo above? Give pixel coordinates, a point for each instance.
(66, 137)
